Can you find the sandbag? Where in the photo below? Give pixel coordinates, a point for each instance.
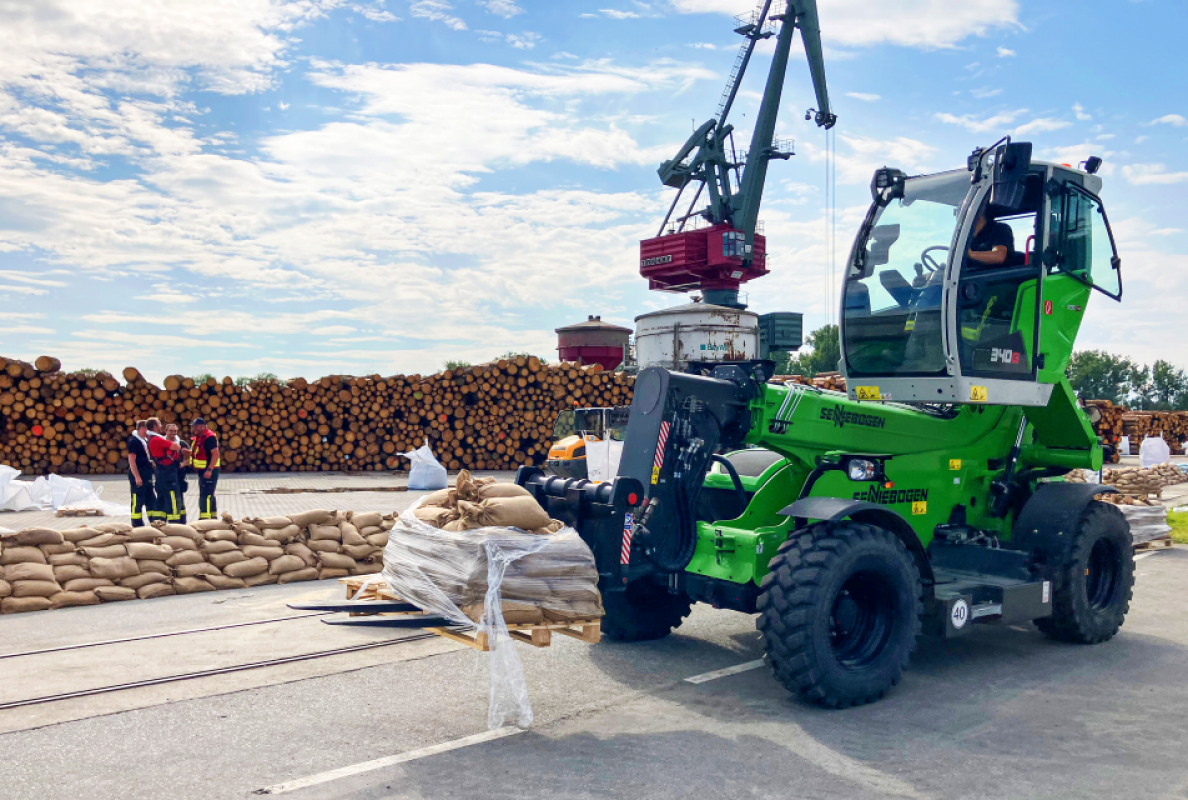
(144, 579)
(326, 573)
(67, 599)
(122, 528)
(303, 519)
(5, 589)
(493, 490)
(368, 568)
(155, 590)
(80, 534)
(29, 572)
(225, 582)
(145, 534)
(85, 584)
(204, 525)
(442, 497)
(154, 566)
(368, 518)
(114, 568)
(513, 613)
(69, 572)
(211, 548)
(103, 540)
(435, 516)
(302, 552)
(191, 585)
(193, 570)
(111, 551)
(378, 539)
(246, 569)
(255, 539)
(282, 535)
(251, 551)
(179, 543)
(272, 522)
(37, 536)
(305, 574)
(323, 546)
(19, 605)
(221, 560)
(285, 564)
(351, 535)
(336, 561)
(57, 549)
(21, 555)
(152, 552)
(35, 588)
(505, 512)
(184, 558)
(263, 579)
(245, 527)
(325, 533)
(221, 535)
(360, 551)
(177, 529)
(68, 559)
(368, 530)
(109, 594)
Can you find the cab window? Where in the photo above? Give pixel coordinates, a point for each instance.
(1083, 244)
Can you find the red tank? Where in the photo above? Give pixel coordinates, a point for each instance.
(593, 342)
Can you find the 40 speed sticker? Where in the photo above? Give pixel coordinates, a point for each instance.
(959, 614)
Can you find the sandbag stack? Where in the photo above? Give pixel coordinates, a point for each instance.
(41, 568)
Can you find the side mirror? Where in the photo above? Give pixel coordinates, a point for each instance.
(1012, 161)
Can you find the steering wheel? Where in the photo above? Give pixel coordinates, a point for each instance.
(928, 261)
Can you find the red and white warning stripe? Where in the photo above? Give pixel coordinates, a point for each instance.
(659, 462)
(628, 534)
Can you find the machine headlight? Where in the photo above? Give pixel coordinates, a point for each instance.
(860, 469)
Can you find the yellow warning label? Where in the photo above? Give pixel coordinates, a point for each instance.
(978, 394)
(867, 393)
(954, 463)
(919, 507)
(655, 475)
(910, 325)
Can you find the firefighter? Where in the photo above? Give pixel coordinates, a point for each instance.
(172, 433)
(140, 475)
(167, 455)
(204, 458)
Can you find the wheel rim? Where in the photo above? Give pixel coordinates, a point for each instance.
(861, 619)
(1102, 575)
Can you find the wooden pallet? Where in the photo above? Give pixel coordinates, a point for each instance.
(1154, 544)
(78, 512)
(538, 634)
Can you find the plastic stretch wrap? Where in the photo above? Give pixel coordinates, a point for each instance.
(1146, 522)
(494, 574)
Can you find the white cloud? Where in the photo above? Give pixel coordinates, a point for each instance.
(8, 330)
(21, 315)
(973, 124)
(333, 330)
(157, 339)
(616, 14)
(504, 8)
(1141, 139)
(29, 290)
(523, 41)
(1152, 174)
(375, 14)
(21, 277)
(703, 46)
(1175, 120)
(863, 155)
(1079, 110)
(925, 24)
(985, 92)
(1005, 53)
(1042, 125)
(437, 11)
(864, 97)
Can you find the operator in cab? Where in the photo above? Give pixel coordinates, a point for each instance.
(992, 242)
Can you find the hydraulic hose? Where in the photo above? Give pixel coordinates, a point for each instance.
(739, 491)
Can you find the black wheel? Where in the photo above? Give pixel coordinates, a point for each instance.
(1092, 590)
(840, 612)
(642, 612)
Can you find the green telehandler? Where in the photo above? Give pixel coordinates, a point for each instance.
(927, 498)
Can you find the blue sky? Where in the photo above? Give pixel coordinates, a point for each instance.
(310, 187)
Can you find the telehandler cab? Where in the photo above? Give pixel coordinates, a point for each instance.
(927, 498)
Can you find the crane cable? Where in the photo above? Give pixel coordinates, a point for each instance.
(830, 226)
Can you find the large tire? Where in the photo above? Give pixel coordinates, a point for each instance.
(840, 612)
(643, 612)
(1092, 590)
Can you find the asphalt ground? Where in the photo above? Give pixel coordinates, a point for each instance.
(1001, 713)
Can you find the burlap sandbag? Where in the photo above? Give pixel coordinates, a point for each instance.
(35, 588)
(351, 535)
(285, 564)
(225, 582)
(505, 512)
(221, 560)
(152, 552)
(145, 534)
(204, 525)
(179, 543)
(246, 569)
(377, 539)
(184, 557)
(114, 568)
(366, 519)
(368, 530)
(211, 548)
(336, 561)
(64, 559)
(69, 572)
(21, 555)
(111, 594)
(37, 536)
(304, 574)
(221, 535)
(255, 538)
(263, 579)
(155, 590)
(194, 570)
(303, 519)
(368, 568)
(85, 584)
(144, 579)
(359, 551)
(445, 498)
(245, 527)
(251, 551)
(57, 549)
(19, 605)
(110, 551)
(5, 589)
(325, 533)
(191, 585)
(302, 552)
(327, 573)
(29, 572)
(493, 490)
(177, 529)
(154, 566)
(80, 534)
(436, 516)
(113, 527)
(272, 522)
(283, 535)
(513, 613)
(459, 525)
(323, 546)
(67, 599)
(103, 540)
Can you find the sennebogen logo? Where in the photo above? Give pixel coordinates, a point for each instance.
(842, 417)
(887, 497)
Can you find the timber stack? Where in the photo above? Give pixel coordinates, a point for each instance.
(492, 416)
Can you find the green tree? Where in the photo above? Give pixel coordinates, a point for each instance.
(456, 364)
(1164, 387)
(1098, 375)
(512, 354)
(201, 379)
(823, 356)
(244, 380)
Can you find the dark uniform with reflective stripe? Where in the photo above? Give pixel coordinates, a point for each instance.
(144, 498)
(201, 451)
(170, 506)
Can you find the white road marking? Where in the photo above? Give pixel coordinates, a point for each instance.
(388, 761)
(722, 673)
(1147, 554)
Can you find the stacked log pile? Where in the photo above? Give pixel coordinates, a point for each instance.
(833, 381)
(1171, 425)
(492, 416)
(41, 568)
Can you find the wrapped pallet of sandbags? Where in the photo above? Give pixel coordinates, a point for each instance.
(1146, 522)
(486, 576)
